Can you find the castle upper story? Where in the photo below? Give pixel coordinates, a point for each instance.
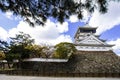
(86, 39)
(84, 32)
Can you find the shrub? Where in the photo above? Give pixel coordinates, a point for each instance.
(64, 50)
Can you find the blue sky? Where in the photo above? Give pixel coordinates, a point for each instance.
(53, 32)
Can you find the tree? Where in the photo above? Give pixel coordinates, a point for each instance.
(64, 50)
(19, 43)
(18, 46)
(40, 10)
(10, 57)
(4, 46)
(35, 50)
(47, 51)
(2, 57)
(43, 51)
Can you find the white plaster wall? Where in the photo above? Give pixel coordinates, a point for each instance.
(93, 48)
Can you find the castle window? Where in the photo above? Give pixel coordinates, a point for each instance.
(87, 31)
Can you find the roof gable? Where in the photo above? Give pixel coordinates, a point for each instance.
(92, 40)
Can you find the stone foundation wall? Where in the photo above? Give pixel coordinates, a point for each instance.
(81, 62)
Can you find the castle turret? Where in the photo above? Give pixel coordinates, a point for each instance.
(85, 39)
(83, 32)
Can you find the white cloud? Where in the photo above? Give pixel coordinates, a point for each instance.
(62, 27)
(3, 34)
(60, 38)
(9, 15)
(116, 47)
(78, 1)
(51, 33)
(106, 21)
(116, 43)
(73, 18)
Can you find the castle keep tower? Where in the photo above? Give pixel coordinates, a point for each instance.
(86, 40)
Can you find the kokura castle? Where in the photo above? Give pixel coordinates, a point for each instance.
(87, 40)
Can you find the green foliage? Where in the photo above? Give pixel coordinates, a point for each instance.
(2, 55)
(21, 39)
(4, 46)
(19, 43)
(40, 10)
(35, 50)
(39, 51)
(11, 56)
(64, 50)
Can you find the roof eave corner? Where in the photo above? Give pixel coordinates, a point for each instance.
(76, 32)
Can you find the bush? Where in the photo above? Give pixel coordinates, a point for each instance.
(64, 50)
